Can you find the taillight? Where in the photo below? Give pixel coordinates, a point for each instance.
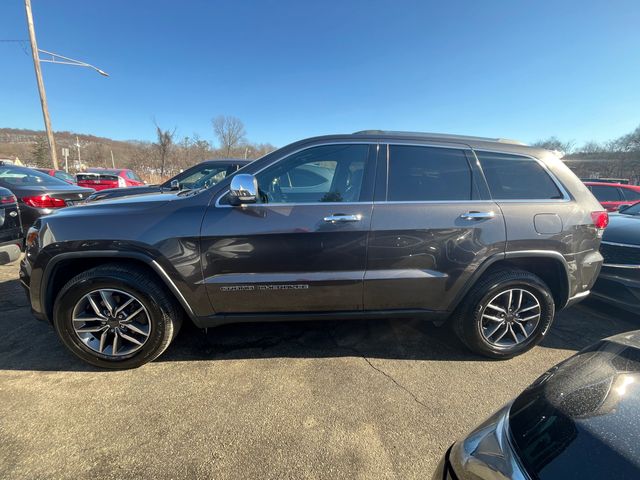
(121, 182)
(600, 219)
(44, 201)
(6, 199)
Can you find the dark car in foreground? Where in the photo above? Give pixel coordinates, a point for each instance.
(10, 227)
(368, 225)
(39, 194)
(619, 279)
(204, 174)
(581, 419)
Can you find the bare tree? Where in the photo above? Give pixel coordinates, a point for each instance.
(230, 132)
(163, 145)
(591, 147)
(554, 143)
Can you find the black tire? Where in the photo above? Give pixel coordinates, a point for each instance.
(467, 320)
(165, 315)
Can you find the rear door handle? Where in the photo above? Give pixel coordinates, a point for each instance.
(341, 217)
(477, 215)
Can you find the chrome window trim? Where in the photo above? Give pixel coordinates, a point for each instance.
(566, 197)
(621, 244)
(281, 204)
(459, 146)
(430, 202)
(621, 265)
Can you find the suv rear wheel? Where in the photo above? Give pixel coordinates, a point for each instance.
(116, 317)
(505, 314)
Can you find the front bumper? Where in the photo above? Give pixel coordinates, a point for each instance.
(25, 281)
(10, 251)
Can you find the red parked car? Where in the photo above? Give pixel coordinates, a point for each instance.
(61, 174)
(612, 196)
(103, 178)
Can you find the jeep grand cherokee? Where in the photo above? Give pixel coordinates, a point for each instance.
(490, 235)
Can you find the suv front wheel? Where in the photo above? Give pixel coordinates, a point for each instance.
(505, 314)
(114, 316)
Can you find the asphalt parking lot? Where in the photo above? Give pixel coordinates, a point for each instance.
(356, 399)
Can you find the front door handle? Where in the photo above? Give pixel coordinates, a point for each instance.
(341, 217)
(477, 215)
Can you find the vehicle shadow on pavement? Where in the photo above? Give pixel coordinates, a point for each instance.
(574, 329)
(28, 344)
(588, 322)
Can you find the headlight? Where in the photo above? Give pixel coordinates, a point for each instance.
(486, 453)
(32, 238)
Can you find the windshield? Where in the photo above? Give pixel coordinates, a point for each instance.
(203, 178)
(632, 210)
(65, 176)
(21, 176)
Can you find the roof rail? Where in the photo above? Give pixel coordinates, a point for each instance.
(447, 136)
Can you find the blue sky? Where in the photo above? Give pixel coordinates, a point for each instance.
(291, 69)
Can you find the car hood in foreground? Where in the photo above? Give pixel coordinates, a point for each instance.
(108, 193)
(623, 229)
(120, 205)
(582, 417)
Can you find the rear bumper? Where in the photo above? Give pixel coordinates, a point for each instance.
(620, 286)
(577, 298)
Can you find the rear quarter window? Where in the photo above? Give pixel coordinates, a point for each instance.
(514, 177)
(629, 194)
(606, 194)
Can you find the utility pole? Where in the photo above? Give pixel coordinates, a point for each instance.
(43, 95)
(65, 154)
(113, 162)
(78, 147)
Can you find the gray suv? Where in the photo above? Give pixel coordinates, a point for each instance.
(489, 235)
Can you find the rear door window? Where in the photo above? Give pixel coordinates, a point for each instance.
(514, 177)
(423, 174)
(606, 194)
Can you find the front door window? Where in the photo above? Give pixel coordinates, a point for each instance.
(324, 174)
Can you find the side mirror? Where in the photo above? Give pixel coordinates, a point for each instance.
(175, 185)
(243, 189)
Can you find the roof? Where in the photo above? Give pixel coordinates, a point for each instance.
(228, 160)
(440, 136)
(610, 184)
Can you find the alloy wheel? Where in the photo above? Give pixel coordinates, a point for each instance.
(510, 317)
(111, 322)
